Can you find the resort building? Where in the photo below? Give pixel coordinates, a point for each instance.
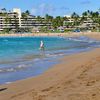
(68, 19)
(13, 20)
(18, 11)
(87, 23)
(8, 20)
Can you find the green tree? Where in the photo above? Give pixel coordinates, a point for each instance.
(7, 22)
(16, 21)
(39, 18)
(27, 12)
(75, 16)
(57, 22)
(48, 18)
(84, 14)
(3, 10)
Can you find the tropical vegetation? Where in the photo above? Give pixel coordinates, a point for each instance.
(79, 21)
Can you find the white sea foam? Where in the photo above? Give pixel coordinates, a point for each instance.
(36, 59)
(8, 82)
(10, 70)
(21, 66)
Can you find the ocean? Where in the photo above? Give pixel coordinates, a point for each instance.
(21, 58)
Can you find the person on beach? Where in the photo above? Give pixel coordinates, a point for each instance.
(41, 45)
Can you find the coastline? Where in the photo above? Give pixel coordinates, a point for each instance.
(93, 35)
(68, 34)
(73, 78)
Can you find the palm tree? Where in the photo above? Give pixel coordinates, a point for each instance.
(3, 9)
(7, 22)
(75, 16)
(25, 16)
(27, 12)
(95, 14)
(39, 19)
(48, 18)
(57, 22)
(84, 14)
(16, 23)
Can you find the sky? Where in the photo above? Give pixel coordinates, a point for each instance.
(51, 7)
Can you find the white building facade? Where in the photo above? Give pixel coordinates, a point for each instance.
(13, 20)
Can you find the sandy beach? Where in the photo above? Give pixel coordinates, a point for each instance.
(77, 77)
(95, 35)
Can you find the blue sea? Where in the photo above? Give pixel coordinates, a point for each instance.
(20, 57)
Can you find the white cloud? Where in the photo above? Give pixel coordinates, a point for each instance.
(43, 9)
(33, 11)
(84, 2)
(46, 8)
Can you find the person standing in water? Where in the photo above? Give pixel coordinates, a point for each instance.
(41, 45)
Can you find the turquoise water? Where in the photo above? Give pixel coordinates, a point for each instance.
(20, 57)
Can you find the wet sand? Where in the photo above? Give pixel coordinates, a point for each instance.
(94, 35)
(77, 77)
(68, 34)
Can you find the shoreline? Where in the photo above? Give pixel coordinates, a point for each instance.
(51, 34)
(55, 81)
(65, 80)
(93, 35)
